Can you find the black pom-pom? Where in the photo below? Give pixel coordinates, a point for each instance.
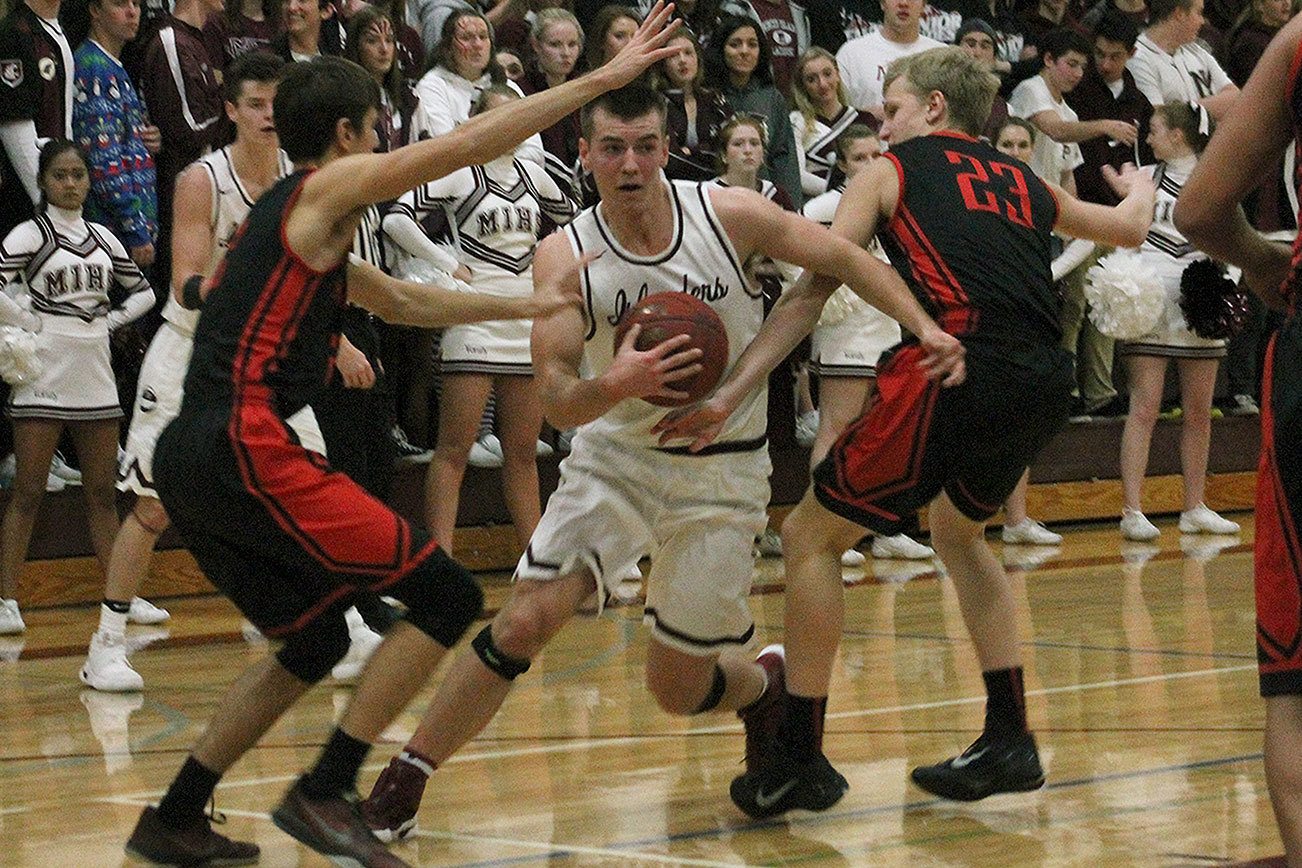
(1212, 305)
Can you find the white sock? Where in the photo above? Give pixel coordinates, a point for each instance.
(112, 623)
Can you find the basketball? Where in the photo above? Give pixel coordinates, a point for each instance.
(669, 314)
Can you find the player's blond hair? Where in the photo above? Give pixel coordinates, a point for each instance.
(968, 87)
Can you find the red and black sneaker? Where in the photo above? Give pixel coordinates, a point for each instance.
(332, 826)
(390, 809)
(196, 844)
(762, 717)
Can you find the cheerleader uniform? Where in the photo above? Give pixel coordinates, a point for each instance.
(816, 147)
(1168, 253)
(67, 266)
(851, 335)
(495, 212)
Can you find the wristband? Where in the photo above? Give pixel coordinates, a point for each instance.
(191, 299)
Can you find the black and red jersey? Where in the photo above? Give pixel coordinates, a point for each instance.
(970, 236)
(270, 326)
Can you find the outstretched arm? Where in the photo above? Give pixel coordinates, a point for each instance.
(1252, 135)
(342, 186)
(403, 302)
(1123, 225)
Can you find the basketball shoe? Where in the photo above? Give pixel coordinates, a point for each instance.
(333, 827)
(990, 765)
(107, 668)
(390, 809)
(785, 783)
(155, 841)
(144, 612)
(762, 717)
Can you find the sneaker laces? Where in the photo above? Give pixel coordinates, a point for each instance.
(214, 816)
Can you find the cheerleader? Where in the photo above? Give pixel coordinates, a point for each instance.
(1177, 135)
(495, 213)
(66, 266)
(820, 117)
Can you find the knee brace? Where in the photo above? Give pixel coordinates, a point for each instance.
(442, 598)
(715, 696)
(508, 667)
(312, 652)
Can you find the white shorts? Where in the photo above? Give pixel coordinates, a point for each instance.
(852, 346)
(158, 400)
(76, 382)
(697, 516)
(493, 347)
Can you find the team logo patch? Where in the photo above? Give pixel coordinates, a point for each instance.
(11, 72)
(45, 66)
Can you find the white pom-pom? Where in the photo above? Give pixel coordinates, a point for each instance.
(20, 360)
(1126, 296)
(419, 270)
(839, 305)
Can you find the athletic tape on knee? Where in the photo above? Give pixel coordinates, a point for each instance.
(503, 664)
(312, 652)
(717, 689)
(442, 598)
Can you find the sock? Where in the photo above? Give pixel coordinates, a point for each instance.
(336, 770)
(1005, 702)
(418, 760)
(193, 786)
(802, 726)
(113, 617)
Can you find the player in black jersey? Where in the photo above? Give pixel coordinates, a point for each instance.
(288, 539)
(968, 228)
(1262, 122)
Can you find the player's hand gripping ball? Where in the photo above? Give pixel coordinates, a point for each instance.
(669, 314)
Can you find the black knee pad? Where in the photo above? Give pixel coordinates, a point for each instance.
(717, 688)
(442, 597)
(312, 652)
(508, 667)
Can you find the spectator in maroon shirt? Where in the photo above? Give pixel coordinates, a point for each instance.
(245, 26)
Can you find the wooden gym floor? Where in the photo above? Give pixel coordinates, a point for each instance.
(1141, 682)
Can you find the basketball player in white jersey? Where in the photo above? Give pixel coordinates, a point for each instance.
(620, 493)
(212, 198)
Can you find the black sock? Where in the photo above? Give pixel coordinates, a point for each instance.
(802, 726)
(336, 770)
(119, 606)
(191, 789)
(1005, 702)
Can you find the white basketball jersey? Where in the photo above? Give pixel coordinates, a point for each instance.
(230, 205)
(700, 260)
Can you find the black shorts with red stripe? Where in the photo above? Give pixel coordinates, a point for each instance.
(971, 441)
(273, 527)
(1279, 508)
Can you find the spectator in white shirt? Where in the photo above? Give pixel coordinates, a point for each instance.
(1170, 66)
(1040, 100)
(863, 61)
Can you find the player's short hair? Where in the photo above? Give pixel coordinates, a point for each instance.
(260, 66)
(1160, 10)
(1058, 42)
(628, 102)
(852, 134)
(313, 96)
(1117, 28)
(969, 88)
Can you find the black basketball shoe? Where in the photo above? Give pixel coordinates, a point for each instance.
(783, 784)
(988, 766)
